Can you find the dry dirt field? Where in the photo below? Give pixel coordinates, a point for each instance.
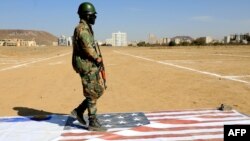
(41, 80)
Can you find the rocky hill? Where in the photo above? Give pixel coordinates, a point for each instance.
(41, 37)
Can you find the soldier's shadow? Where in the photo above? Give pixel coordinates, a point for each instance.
(60, 119)
(25, 111)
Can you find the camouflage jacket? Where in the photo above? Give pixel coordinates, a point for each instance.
(84, 54)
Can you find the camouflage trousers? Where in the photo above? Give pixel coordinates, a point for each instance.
(92, 90)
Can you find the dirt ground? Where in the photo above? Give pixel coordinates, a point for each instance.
(40, 80)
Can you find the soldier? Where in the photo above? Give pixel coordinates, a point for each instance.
(85, 61)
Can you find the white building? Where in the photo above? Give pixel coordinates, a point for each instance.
(64, 41)
(1, 43)
(227, 39)
(177, 41)
(119, 39)
(208, 39)
(152, 39)
(168, 40)
(69, 41)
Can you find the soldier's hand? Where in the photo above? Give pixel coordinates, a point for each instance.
(99, 60)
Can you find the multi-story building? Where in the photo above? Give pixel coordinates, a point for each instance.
(119, 39)
(64, 41)
(227, 39)
(152, 39)
(208, 39)
(177, 40)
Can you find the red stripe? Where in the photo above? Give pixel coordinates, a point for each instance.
(178, 121)
(143, 129)
(219, 116)
(215, 139)
(218, 139)
(149, 129)
(210, 115)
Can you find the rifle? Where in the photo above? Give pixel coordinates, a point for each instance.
(101, 65)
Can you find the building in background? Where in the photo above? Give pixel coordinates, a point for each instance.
(17, 42)
(166, 41)
(109, 42)
(64, 41)
(227, 39)
(152, 39)
(208, 39)
(237, 38)
(119, 39)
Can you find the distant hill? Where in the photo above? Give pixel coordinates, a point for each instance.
(41, 37)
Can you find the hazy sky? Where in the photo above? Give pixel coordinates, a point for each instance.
(138, 18)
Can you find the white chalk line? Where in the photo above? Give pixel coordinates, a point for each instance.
(32, 62)
(56, 63)
(185, 68)
(238, 76)
(214, 54)
(16, 60)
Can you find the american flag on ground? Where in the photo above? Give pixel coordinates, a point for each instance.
(196, 125)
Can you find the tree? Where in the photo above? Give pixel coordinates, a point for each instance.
(199, 41)
(141, 44)
(248, 38)
(184, 43)
(172, 43)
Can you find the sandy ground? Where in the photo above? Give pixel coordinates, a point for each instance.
(41, 80)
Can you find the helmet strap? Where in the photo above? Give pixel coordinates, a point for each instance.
(88, 18)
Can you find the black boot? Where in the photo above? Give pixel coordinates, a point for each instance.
(78, 116)
(94, 125)
(78, 112)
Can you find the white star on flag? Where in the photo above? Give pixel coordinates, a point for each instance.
(139, 124)
(106, 115)
(133, 114)
(136, 119)
(107, 120)
(122, 122)
(120, 117)
(108, 126)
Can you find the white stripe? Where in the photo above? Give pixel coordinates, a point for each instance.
(186, 68)
(202, 72)
(196, 117)
(32, 62)
(77, 137)
(184, 112)
(129, 133)
(163, 125)
(197, 137)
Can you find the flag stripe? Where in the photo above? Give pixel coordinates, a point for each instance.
(188, 113)
(168, 136)
(169, 125)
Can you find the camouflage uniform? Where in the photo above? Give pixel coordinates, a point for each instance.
(84, 62)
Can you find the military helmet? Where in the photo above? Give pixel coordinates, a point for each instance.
(86, 8)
